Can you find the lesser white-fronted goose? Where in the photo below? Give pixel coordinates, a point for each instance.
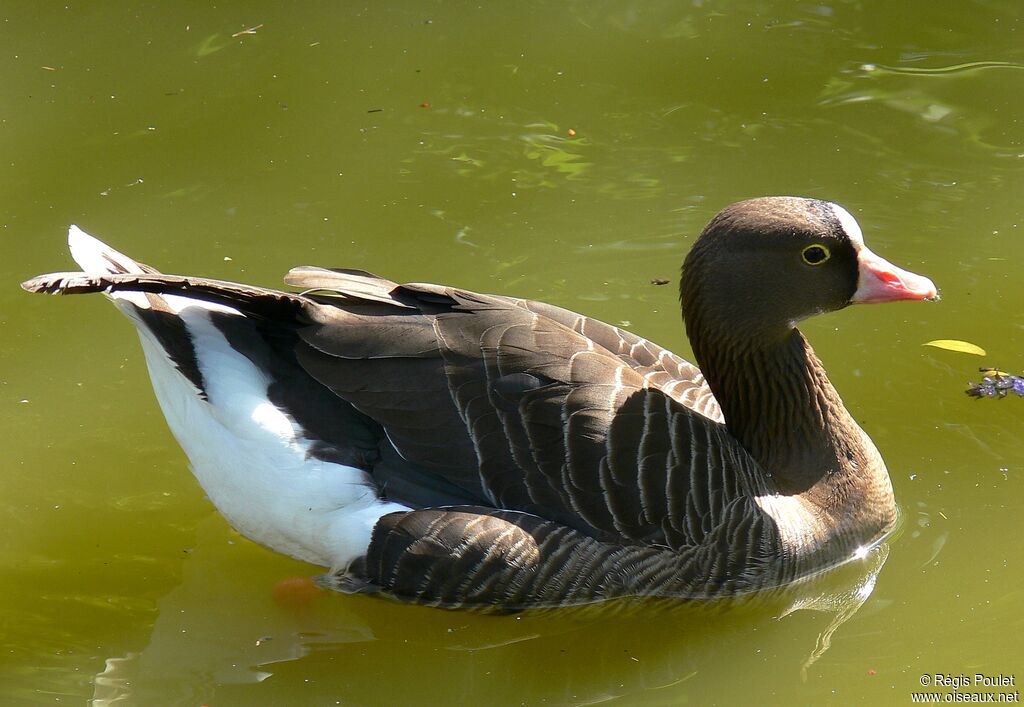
(465, 449)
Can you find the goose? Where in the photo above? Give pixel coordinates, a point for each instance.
(459, 449)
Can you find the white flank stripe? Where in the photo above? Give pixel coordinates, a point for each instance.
(251, 459)
(791, 516)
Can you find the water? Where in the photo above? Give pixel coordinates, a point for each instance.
(431, 141)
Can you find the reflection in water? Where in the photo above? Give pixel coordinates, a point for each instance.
(847, 590)
(220, 629)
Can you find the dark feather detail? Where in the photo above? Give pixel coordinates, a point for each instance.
(346, 283)
(338, 433)
(173, 336)
(255, 301)
(660, 367)
(478, 557)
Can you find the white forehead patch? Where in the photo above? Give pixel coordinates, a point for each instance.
(849, 225)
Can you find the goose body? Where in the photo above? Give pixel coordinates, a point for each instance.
(463, 449)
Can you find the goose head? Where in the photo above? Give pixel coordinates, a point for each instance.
(763, 265)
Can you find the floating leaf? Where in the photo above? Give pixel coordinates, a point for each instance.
(958, 346)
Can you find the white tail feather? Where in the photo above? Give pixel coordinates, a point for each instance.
(94, 256)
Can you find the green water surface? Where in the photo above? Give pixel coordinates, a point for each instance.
(565, 151)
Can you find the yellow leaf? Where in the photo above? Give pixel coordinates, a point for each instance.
(957, 345)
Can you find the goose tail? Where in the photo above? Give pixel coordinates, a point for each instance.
(282, 458)
(97, 261)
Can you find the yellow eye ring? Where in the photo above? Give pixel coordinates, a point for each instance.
(815, 254)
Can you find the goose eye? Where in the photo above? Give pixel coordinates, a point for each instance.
(815, 254)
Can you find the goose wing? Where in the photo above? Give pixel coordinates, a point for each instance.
(523, 405)
(661, 368)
